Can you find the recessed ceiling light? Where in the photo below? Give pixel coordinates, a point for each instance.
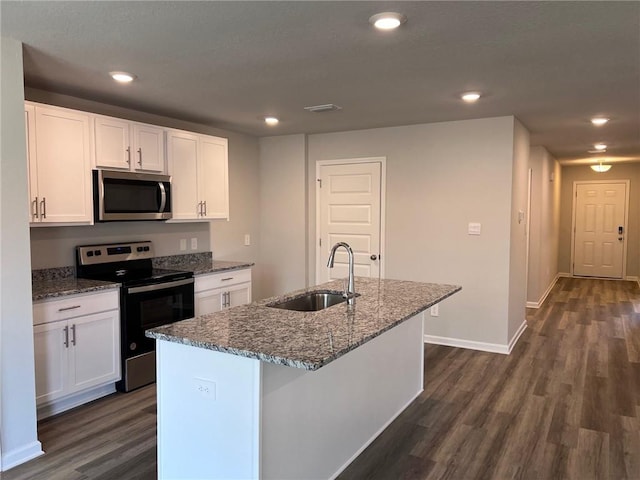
(122, 77)
(470, 97)
(601, 147)
(271, 120)
(599, 121)
(387, 20)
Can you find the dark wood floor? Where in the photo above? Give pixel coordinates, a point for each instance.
(565, 404)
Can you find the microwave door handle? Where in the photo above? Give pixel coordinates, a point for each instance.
(163, 196)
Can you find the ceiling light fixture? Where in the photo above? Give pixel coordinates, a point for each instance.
(387, 20)
(599, 121)
(271, 120)
(600, 168)
(122, 77)
(600, 147)
(327, 107)
(470, 97)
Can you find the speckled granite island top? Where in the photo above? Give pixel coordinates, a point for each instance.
(307, 340)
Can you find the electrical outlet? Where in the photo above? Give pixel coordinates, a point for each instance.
(194, 243)
(206, 388)
(247, 240)
(183, 244)
(435, 311)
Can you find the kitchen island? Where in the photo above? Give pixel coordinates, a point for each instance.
(257, 392)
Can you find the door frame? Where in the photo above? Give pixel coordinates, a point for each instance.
(626, 220)
(383, 189)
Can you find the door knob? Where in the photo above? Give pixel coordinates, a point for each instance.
(373, 257)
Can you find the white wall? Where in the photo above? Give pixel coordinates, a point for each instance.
(545, 224)
(53, 246)
(283, 226)
(518, 243)
(18, 435)
(440, 177)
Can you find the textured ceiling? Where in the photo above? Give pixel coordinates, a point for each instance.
(551, 64)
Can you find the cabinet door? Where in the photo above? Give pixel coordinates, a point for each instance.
(213, 179)
(208, 301)
(239, 294)
(148, 146)
(50, 360)
(113, 147)
(94, 350)
(30, 128)
(182, 151)
(63, 165)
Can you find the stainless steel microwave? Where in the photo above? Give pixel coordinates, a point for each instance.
(122, 196)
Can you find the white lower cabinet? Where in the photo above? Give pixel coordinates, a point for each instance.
(217, 291)
(77, 350)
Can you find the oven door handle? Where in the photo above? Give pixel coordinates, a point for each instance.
(163, 196)
(159, 286)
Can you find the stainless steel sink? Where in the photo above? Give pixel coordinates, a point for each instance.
(311, 301)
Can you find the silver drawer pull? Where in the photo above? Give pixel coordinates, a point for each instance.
(69, 308)
(226, 279)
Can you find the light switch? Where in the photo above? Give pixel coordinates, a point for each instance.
(475, 228)
(194, 243)
(183, 244)
(247, 240)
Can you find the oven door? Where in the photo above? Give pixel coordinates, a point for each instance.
(150, 306)
(145, 307)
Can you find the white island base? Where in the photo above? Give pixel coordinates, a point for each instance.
(222, 416)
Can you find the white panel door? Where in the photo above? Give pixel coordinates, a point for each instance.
(94, 350)
(148, 144)
(182, 149)
(600, 228)
(50, 346)
(112, 144)
(349, 211)
(212, 177)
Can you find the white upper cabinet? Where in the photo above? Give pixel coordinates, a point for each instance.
(124, 145)
(198, 165)
(59, 152)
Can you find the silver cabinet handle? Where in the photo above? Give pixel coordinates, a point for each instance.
(205, 208)
(43, 207)
(129, 155)
(226, 279)
(73, 334)
(35, 208)
(199, 209)
(69, 308)
(140, 155)
(66, 336)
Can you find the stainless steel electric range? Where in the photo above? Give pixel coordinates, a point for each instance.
(149, 297)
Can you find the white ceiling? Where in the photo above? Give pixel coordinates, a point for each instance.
(551, 64)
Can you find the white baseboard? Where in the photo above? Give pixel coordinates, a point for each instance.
(18, 456)
(516, 336)
(564, 275)
(539, 303)
(469, 344)
(481, 346)
(72, 401)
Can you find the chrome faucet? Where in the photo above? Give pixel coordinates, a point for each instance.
(350, 292)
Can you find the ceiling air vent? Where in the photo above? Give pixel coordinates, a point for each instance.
(329, 107)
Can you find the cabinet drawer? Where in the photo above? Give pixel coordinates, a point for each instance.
(73, 306)
(221, 280)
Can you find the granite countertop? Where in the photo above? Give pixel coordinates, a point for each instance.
(198, 263)
(307, 340)
(60, 282)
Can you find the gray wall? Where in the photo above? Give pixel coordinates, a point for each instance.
(283, 223)
(545, 223)
(53, 246)
(18, 437)
(619, 171)
(440, 177)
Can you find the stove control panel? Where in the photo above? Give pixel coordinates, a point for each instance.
(115, 252)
